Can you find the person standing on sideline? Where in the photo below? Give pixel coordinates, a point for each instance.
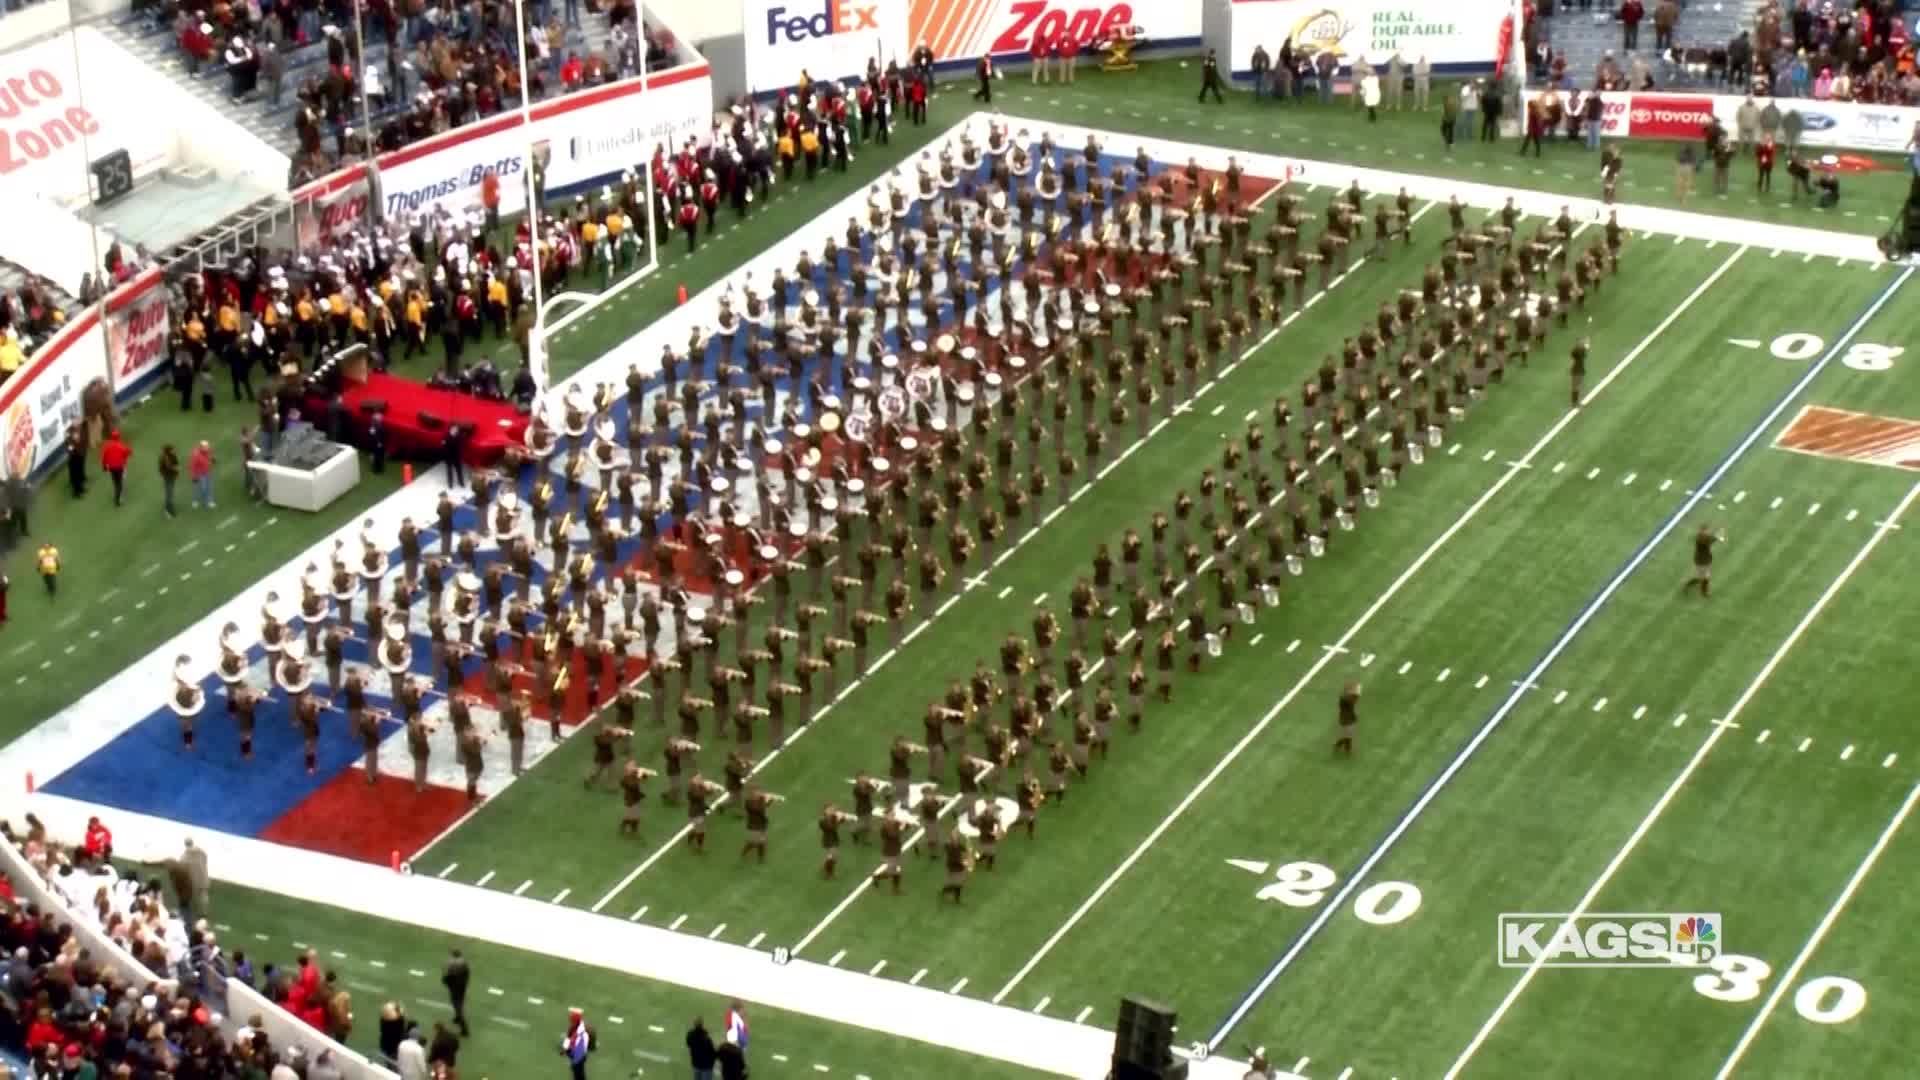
(1536, 127)
(1422, 81)
(77, 460)
(1324, 66)
(983, 70)
(1492, 103)
(169, 476)
(1038, 58)
(455, 977)
(1370, 93)
(1210, 78)
(114, 455)
(1631, 13)
(1260, 63)
(700, 1050)
(732, 1058)
(577, 1044)
(1450, 116)
(1684, 166)
(200, 471)
(48, 560)
(1469, 106)
(1594, 110)
(1763, 164)
(1396, 81)
(194, 859)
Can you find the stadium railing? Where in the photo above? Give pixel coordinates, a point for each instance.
(243, 1003)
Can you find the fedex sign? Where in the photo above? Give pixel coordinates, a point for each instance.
(832, 17)
(828, 39)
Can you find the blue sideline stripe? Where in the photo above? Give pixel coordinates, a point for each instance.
(1340, 897)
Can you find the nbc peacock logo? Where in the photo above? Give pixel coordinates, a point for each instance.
(1696, 936)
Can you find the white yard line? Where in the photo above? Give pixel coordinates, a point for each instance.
(1328, 654)
(1338, 901)
(1714, 734)
(1785, 980)
(681, 835)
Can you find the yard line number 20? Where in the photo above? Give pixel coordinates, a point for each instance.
(1305, 885)
(1825, 999)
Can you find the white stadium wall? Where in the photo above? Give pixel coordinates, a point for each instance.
(592, 137)
(1457, 36)
(829, 39)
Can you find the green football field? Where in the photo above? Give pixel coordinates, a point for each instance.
(1549, 724)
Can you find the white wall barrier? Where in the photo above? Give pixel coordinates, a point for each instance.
(242, 1003)
(591, 136)
(959, 31)
(828, 39)
(122, 340)
(79, 96)
(1839, 125)
(1454, 36)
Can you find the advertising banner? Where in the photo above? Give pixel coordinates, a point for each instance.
(1670, 116)
(39, 402)
(1453, 36)
(959, 31)
(595, 135)
(136, 335)
(48, 134)
(332, 207)
(828, 39)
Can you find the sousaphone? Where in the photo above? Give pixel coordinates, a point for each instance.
(296, 675)
(233, 659)
(188, 698)
(396, 652)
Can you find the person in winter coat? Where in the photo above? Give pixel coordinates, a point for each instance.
(114, 455)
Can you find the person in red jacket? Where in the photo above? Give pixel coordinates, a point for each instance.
(1631, 13)
(1763, 155)
(1039, 58)
(114, 455)
(99, 841)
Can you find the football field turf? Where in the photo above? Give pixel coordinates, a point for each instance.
(1549, 725)
(1516, 598)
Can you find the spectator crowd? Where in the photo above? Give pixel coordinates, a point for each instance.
(73, 1015)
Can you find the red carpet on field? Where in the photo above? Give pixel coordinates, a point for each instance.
(350, 818)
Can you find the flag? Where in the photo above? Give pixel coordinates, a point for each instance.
(737, 1026)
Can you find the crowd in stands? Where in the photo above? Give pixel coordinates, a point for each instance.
(73, 1015)
(34, 310)
(431, 66)
(1818, 49)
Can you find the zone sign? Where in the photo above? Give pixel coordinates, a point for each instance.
(832, 17)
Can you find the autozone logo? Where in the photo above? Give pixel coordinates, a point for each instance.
(21, 442)
(834, 17)
(139, 336)
(1037, 20)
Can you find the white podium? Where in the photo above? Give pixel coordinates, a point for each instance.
(310, 489)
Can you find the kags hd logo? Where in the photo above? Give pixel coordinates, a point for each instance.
(832, 17)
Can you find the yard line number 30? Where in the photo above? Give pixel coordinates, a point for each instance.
(1825, 999)
(1305, 885)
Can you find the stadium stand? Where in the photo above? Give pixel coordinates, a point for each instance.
(101, 973)
(294, 79)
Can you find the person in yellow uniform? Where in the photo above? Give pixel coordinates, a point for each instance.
(357, 320)
(416, 322)
(616, 225)
(497, 303)
(195, 335)
(228, 321)
(48, 560)
(306, 322)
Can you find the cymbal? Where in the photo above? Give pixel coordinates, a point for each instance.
(829, 422)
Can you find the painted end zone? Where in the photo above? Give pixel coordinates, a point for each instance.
(347, 816)
(1844, 435)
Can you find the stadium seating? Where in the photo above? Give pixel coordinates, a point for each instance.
(1585, 37)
